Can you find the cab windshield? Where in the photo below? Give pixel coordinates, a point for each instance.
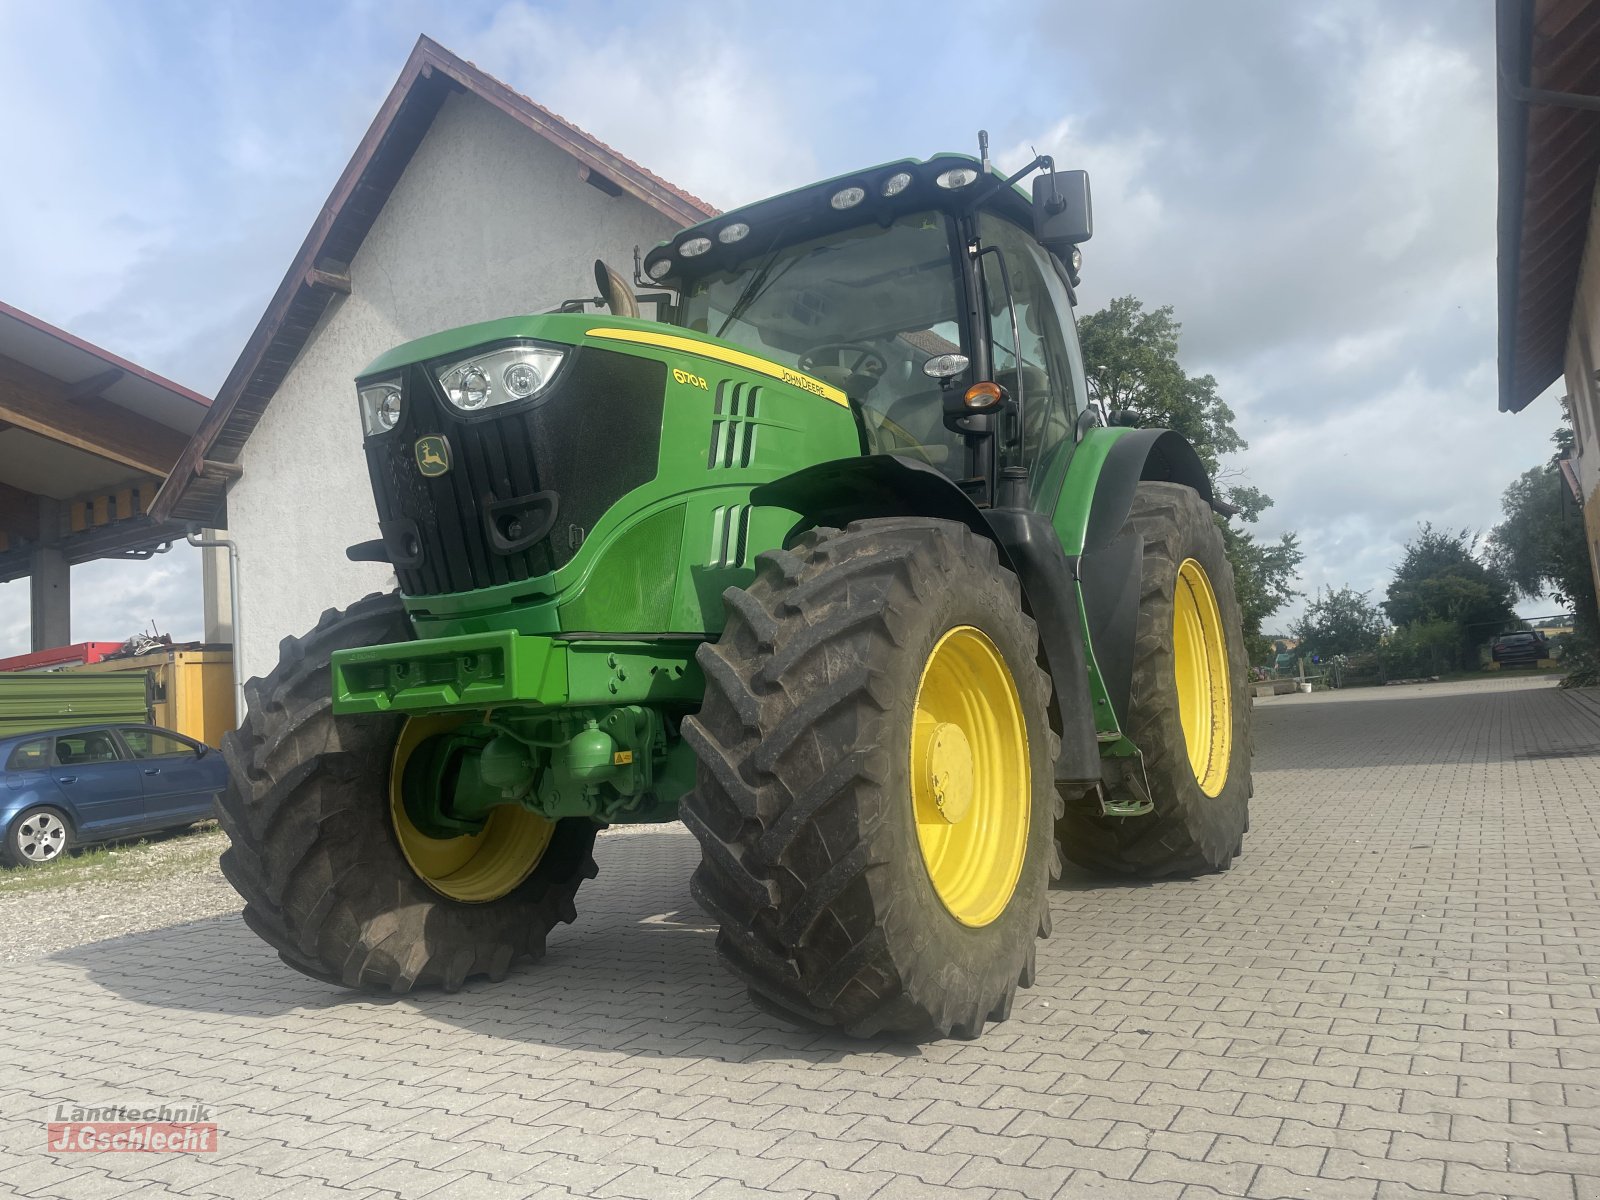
(862, 309)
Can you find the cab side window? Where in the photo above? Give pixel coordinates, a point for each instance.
(1043, 355)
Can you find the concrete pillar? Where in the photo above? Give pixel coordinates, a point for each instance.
(217, 591)
(50, 583)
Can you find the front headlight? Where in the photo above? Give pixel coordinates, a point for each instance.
(499, 377)
(381, 405)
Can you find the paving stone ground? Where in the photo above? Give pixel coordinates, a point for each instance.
(1395, 993)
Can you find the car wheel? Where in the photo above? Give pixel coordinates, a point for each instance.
(39, 835)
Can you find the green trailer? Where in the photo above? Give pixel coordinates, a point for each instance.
(31, 703)
(833, 561)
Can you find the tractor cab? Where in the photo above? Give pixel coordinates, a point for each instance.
(922, 291)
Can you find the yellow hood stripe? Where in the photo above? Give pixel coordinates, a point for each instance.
(736, 358)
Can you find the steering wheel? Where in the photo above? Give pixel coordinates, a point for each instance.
(868, 362)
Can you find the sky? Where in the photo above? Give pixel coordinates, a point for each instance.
(1311, 187)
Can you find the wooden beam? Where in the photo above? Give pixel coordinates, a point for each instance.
(599, 180)
(93, 385)
(32, 400)
(334, 281)
(101, 507)
(211, 468)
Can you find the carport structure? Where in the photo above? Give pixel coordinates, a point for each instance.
(86, 439)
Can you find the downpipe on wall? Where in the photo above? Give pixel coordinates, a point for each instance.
(232, 547)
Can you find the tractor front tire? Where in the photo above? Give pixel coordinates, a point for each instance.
(315, 849)
(874, 798)
(1189, 708)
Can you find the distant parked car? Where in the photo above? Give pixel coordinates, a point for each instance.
(70, 787)
(1519, 649)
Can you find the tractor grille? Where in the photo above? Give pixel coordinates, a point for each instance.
(525, 486)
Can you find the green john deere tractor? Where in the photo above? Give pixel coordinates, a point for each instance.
(833, 562)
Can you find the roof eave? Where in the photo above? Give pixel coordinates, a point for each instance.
(1514, 24)
(105, 356)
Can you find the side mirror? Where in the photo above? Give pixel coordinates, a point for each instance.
(1061, 214)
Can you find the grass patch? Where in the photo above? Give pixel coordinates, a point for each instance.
(130, 862)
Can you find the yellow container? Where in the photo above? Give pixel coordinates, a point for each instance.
(192, 689)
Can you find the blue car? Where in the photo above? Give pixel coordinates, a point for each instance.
(94, 783)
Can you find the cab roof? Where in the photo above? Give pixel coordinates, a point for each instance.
(819, 208)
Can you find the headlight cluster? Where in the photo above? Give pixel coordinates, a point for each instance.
(381, 405)
(498, 377)
(483, 381)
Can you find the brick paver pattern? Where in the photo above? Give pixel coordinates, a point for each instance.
(1392, 994)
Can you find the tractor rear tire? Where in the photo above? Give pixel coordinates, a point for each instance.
(1201, 792)
(314, 849)
(874, 691)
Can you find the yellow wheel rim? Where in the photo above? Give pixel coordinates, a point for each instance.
(971, 790)
(1200, 663)
(474, 868)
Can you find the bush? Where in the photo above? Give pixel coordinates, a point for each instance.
(1579, 655)
(1421, 648)
(1259, 650)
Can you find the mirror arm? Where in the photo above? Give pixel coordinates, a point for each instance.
(1040, 162)
(998, 185)
(639, 279)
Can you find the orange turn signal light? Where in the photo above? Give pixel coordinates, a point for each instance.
(984, 396)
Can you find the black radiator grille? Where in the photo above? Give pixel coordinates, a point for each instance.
(593, 436)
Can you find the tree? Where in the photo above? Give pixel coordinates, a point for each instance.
(1263, 578)
(1131, 359)
(1540, 548)
(1439, 578)
(1339, 621)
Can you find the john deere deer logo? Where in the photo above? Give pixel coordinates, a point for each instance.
(433, 455)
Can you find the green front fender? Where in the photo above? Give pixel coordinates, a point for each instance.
(1094, 486)
(1093, 500)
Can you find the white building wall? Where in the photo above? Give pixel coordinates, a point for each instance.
(488, 220)
(1583, 388)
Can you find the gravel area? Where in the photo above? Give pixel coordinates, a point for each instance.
(108, 893)
(134, 888)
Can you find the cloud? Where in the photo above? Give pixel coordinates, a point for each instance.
(75, 221)
(1313, 190)
(717, 119)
